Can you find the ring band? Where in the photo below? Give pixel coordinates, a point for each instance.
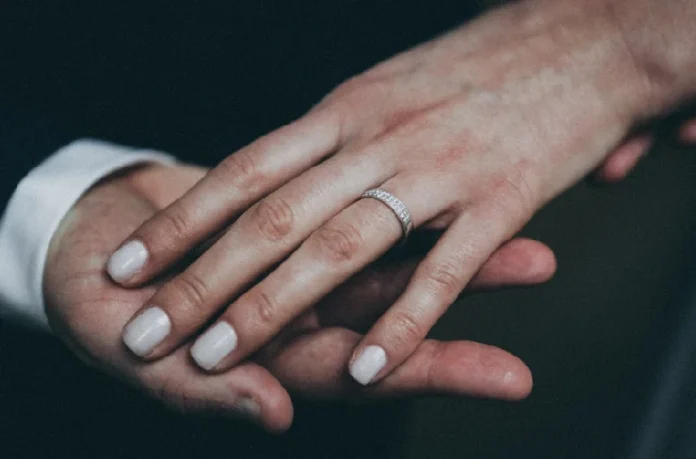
(395, 204)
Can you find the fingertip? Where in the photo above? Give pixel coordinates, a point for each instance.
(509, 378)
(517, 383)
(127, 261)
(259, 397)
(146, 331)
(521, 261)
(277, 412)
(480, 370)
(624, 159)
(687, 133)
(212, 347)
(367, 363)
(542, 263)
(613, 171)
(609, 174)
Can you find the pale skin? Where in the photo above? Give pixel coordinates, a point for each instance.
(473, 131)
(80, 304)
(88, 311)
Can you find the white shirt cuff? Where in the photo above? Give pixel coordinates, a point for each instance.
(35, 210)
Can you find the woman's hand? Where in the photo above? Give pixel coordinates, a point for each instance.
(473, 132)
(88, 312)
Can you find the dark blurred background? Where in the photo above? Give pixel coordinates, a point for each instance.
(200, 80)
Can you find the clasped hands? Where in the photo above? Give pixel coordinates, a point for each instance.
(473, 132)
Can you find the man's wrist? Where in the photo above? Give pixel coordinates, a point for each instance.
(162, 183)
(39, 203)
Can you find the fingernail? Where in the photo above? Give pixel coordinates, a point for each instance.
(148, 330)
(214, 345)
(247, 408)
(127, 261)
(370, 361)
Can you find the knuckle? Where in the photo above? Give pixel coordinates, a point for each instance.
(274, 218)
(174, 225)
(356, 91)
(406, 329)
(190, 290)
(444, 279)
(434, 363)
(266, 307)
(409, 121)
(239, 169)
(339, 243)
(174, 395)
(515, 196)
(348, 89)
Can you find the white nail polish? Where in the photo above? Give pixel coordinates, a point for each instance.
(214, 345)
(248, 408)
(127, 261)
(368, 364)
(146, 331)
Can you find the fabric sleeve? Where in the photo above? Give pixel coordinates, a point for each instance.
(39, 202)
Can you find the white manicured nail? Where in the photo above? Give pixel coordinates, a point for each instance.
(248, 408)
(127, 261)
(144, 333)
(214, 345)
(368, 364)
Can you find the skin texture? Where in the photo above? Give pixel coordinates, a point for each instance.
(87, 311)
(474, 131)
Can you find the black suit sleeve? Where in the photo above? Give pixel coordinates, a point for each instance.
(25, 140)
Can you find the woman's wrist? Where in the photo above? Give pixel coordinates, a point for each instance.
(661, 39)
(639, 54)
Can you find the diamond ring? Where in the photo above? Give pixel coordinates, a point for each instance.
(395, 204)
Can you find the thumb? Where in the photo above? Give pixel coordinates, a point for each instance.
(314, 364)
(88, 311)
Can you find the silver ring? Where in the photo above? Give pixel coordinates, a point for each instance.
(395, 204)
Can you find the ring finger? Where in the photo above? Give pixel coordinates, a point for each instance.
(437, 283)
(260, 238)
(333, 253)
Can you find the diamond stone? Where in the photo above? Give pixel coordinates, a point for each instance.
(395, 204)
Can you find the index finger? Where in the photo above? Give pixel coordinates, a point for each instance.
(223, 194)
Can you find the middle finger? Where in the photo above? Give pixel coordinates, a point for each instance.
(262, 237)
(331, 255)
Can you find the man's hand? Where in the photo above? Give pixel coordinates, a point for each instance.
(88, 311)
